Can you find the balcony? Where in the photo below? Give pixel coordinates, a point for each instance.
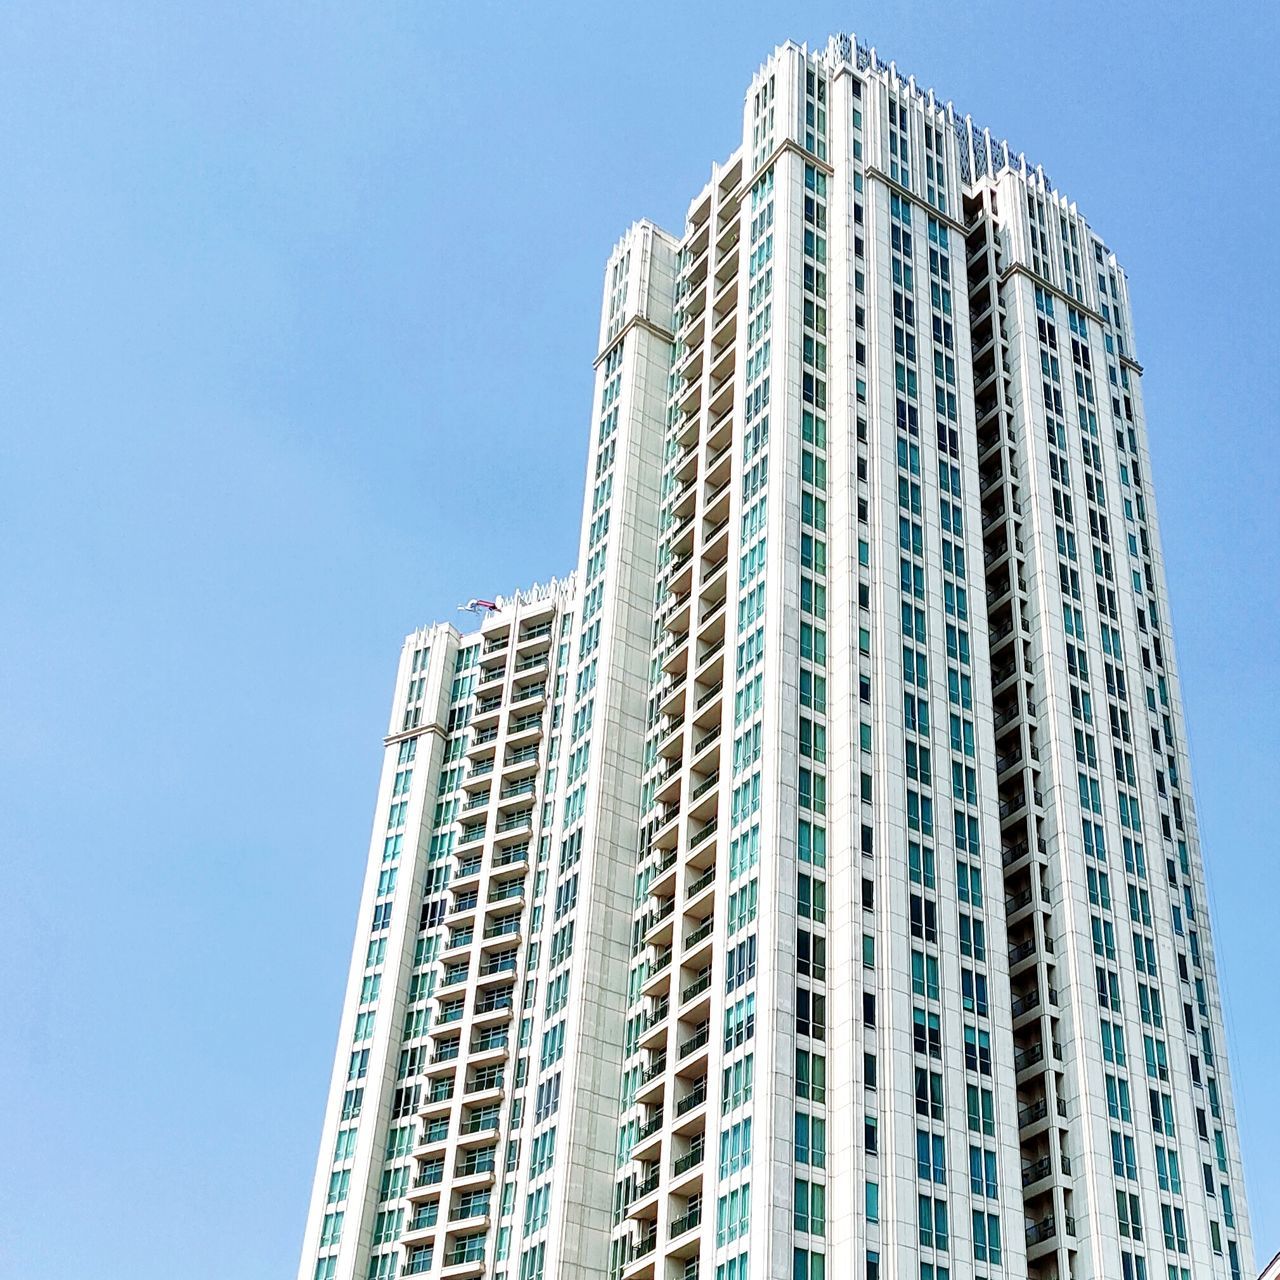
(702, 802)
(520, 763)
(476, 1170)
(494, 1009)
(662, 885)
(1031, 1002)
(434, 1133)
(458, 940)
(506, 927)
(700, 934)
(512, 855)
(704, 832)
(450, 1012)
(711, 541)
(686, 1222)
(670, 743)
(467, 868)
(516, 823)
(498, 967)
(691, 1159)
(709, 695)
(1012, 855)
(639, 1257)
(652, 1020)
(699, 886)
(696, 987)
(679, 501)
(485, 1125)
(649, 1138)
(1033, 1056)
(426, 1217)
(665, 833)
(695, 1042)
(679, 537)
(1037, 1171)
(473, 833)
(705, 741)
(536, 631)
(654, 1070)
(523, 727)
(486, 710)
(645, 1189)
(721, 430)
(657, 1013)
(529, 693)
(463, 1263)
(1047, 1229)
(462, 903)
(485, 1085)
(693, 1099)
(517, 791)
(439, 1099)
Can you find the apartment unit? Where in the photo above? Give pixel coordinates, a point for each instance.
(810, 883)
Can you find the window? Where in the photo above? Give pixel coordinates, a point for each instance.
(982, 1172)
(811, 1076)
(986, 1238)
(931, 1157)
(810, 1211)
(933, 1223)
(811, 1139)
(806, 1265)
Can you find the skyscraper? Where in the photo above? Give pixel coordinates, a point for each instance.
(810, 883)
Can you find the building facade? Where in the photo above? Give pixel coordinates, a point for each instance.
(809, 884)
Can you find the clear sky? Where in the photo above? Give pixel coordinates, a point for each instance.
(297, 311)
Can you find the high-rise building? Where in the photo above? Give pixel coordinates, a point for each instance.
(810, 884)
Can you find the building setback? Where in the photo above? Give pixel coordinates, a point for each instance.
(809, 885)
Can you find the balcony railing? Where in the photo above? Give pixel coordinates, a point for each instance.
(651, 1127)
(686, 1222)
(695, 1041)
(702, 931)
(701, 882)
(696, 987)
(515, 853)
(654, 1070)
(704, 786)
(706, 830)
(695, 1098)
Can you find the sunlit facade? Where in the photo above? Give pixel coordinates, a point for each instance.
(810, 883)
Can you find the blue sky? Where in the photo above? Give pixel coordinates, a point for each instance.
(299, 305)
